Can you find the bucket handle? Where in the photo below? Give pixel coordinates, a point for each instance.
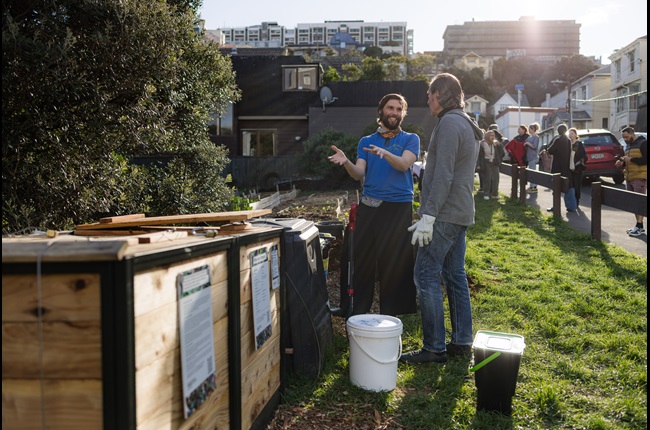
(399, 354)
(484, 362)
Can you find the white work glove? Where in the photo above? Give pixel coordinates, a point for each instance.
(423, 230)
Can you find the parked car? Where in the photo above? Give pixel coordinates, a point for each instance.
(602, 149)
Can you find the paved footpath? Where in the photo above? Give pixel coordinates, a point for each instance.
(614, 222)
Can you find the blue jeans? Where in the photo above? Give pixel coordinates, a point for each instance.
(443, 258)
(532, 165)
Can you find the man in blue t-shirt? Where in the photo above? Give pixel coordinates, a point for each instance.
(382, 248)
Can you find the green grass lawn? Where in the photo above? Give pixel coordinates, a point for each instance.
(581, 306)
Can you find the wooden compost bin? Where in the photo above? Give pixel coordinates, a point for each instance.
(90, 334)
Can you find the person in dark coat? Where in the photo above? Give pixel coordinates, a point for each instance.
(578, 161)
(560, 149)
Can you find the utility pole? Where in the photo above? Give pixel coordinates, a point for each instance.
(568, 100)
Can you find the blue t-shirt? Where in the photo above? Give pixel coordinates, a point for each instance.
(382, 181)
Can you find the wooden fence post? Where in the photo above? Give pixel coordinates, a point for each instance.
(522, 183)
(513, 176)
(596, 207)
(557, 195)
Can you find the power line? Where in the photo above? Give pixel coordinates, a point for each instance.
(612, 98)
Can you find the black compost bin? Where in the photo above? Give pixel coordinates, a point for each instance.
(335, 228)
(306, 322)
(496, 357)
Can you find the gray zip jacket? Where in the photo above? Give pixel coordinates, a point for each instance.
(448, 183)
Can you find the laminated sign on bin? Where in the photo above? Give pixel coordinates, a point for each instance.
(496, 357)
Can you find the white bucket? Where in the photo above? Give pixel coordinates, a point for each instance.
(375, 348)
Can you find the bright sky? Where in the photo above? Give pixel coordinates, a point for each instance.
(606, 25)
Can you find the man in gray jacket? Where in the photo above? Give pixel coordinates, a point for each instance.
(446, 210)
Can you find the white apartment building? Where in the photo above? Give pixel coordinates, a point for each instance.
(391, 37)
(629, 83)
(265, 35)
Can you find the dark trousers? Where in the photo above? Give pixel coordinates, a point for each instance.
(383, 252)
(576, 181)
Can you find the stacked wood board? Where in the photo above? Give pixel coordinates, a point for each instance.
(163, 228)
(91, 333)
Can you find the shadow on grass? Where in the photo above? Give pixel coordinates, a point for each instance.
(561, 234)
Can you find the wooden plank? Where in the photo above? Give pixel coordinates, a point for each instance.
(625, 200)
(70, 350)
(69, 404)
(246, 327)
(162, 236)
(157, 287)
(290, 196)
(120, 218)
(157, 332)
(191, 230)
(213, 414)
(65, 297)
(181, 219)
(159, 386)
(178, 244)
(253, 405)
(109, 233)
(260, 379)
(59, 250)
(235, 227)
(244, 252)
(267, 202)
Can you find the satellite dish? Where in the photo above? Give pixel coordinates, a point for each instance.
(326, 95)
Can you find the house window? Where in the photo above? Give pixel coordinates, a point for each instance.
(583, 93)
(259, 143)
(300, 78)
(630, 59)
(617, 66)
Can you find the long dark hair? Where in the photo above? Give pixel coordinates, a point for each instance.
(450, 93)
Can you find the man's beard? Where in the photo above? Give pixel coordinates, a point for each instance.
(385, 122)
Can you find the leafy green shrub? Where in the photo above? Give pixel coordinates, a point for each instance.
(319, 147)
(190, 183)
(87, 86)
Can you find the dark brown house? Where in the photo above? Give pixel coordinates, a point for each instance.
(281, 107)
